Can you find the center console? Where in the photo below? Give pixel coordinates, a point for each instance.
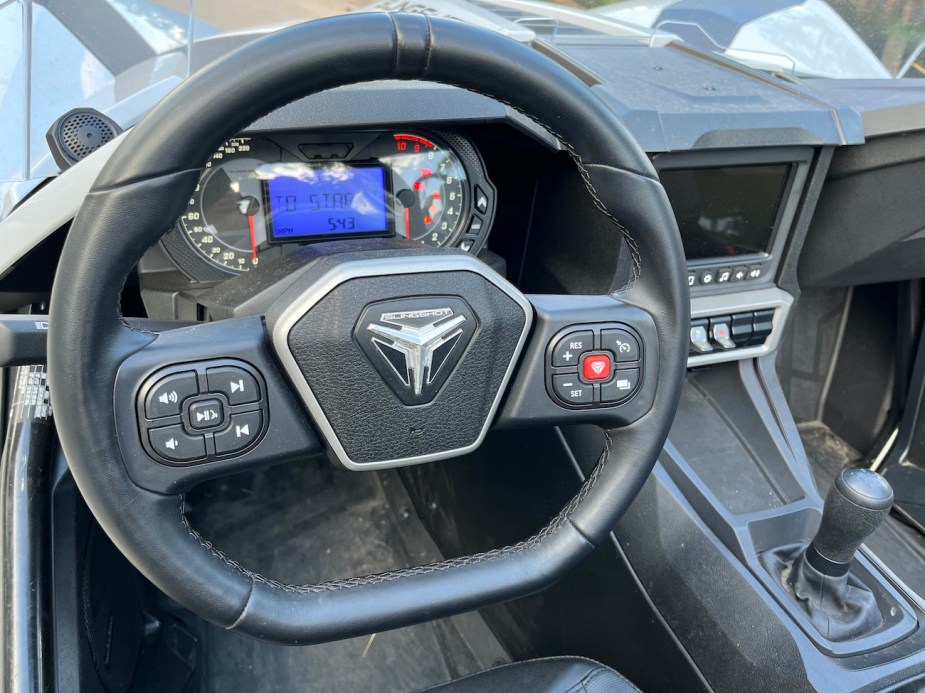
(735, 211)
(766, 584)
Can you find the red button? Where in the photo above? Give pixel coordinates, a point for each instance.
(596, 367)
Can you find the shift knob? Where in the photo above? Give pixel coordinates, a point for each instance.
(858, 502)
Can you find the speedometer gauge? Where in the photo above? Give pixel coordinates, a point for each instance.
(429, 183)
(225, 219)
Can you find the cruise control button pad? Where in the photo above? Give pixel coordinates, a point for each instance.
(193, 413)
(594, 366)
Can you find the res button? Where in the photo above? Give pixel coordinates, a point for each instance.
(569, 349)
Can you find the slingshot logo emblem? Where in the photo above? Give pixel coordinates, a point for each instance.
(423, 335)
(415, 344)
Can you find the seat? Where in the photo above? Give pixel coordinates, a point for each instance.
(550, 675)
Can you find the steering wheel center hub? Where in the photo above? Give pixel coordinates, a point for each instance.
(416, 343)
(401, 360)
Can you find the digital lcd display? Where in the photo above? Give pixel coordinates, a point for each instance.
(308, 202)
(726, 212)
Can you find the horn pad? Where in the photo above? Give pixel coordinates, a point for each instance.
(407, 366)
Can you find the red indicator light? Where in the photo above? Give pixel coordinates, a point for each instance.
(426, 173)
(418, 185)
(428, 220)
(436, 195)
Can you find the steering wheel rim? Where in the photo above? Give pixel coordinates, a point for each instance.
(148, 180)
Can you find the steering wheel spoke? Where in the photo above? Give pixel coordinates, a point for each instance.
(590, 359)
(205, 401)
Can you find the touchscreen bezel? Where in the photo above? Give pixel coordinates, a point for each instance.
(800, 158)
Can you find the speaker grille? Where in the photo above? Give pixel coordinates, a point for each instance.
(82, 133)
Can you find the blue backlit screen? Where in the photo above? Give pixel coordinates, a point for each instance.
(336, 200)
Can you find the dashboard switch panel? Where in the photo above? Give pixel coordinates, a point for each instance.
(729, 333)
(200, 412)
(594, 366)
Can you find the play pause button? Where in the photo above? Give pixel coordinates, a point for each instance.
(206, 414)
(244, 429)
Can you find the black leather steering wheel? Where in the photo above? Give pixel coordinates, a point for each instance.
(294, 326)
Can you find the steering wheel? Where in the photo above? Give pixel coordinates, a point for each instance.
(394, 354)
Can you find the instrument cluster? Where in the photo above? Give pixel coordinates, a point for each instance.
(263, 194)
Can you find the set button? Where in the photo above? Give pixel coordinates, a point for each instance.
(570, 389)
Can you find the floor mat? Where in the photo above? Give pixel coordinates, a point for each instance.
(309, 522)
(899, 546)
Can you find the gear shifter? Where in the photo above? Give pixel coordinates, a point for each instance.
(842, 608)
(858, 502)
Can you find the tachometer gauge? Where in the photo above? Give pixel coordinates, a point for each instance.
(429, 186)
(225, 219)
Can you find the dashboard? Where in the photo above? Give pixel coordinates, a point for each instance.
(267, 192)
(744, 159)
(262, 195)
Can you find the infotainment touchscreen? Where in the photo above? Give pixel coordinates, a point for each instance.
(726, 212)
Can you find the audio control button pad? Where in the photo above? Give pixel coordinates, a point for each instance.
(201, 412)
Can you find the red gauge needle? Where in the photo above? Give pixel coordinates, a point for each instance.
(250, 225)
(407, 223)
